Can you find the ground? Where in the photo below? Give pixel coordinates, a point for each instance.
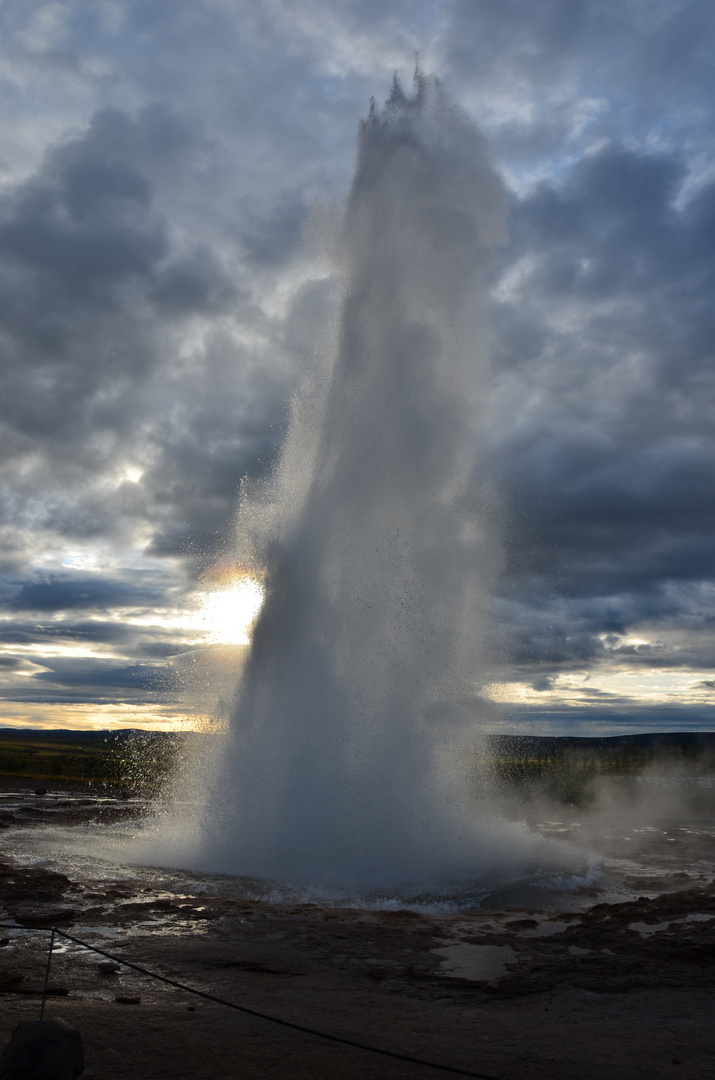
(621, 990)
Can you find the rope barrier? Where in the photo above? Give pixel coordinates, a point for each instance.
(251, 1012)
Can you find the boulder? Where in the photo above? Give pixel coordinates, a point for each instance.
(43, 1050)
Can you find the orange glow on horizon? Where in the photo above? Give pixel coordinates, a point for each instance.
(92, 717)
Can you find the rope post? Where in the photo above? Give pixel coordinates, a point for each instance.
(47, 973)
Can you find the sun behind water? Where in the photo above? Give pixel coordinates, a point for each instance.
(225, 613)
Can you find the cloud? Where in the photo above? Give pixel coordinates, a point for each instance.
(163, 292)
(603, 337)
(73, 676)
(63, 594)
(553, 78)
(127, 345)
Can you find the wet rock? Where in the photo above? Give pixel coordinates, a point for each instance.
(107, 967)
(401, 916)
(122, 999)
(43, 1050)
(9, 981)
(18, 884)
(41, 915)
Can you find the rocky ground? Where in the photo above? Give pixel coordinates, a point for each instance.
(621, 990)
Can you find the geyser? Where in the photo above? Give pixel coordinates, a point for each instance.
(350, 754)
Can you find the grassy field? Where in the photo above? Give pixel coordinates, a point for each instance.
(568, 769)
(564, 770)
(133, 760)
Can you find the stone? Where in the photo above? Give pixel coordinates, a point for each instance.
(43, 1050)
(9, 981)
(38, 915)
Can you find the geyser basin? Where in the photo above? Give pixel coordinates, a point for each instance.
(351, 752)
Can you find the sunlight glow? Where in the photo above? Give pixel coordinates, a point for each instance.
(225, 615)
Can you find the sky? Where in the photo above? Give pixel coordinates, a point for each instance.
(162, 169)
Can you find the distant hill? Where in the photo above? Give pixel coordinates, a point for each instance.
(141, 760)
(128, 758)
(79, 736)
(516, 753)
(657, 742)
(568, 769)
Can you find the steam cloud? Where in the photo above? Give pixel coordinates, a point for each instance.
(342, 762)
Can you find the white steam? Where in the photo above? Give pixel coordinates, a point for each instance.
(349, 752)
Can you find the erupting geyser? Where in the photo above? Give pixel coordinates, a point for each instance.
(355, 720)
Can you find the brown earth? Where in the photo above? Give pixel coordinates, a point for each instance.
(595, 998)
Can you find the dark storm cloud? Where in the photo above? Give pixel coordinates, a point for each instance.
(83, 679)
(555, 74)
(69, 593)
(95, 282)
(549, 39)
(608, 464)
(83, 247)
(610, 718)
(565, 633)
(212, 441)
(10, 663)
(154, 323)
(144, 642)
(23, 632)
(78, 243)
(99, 288)
(274, 236)
(195, 285)
(69, 674)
